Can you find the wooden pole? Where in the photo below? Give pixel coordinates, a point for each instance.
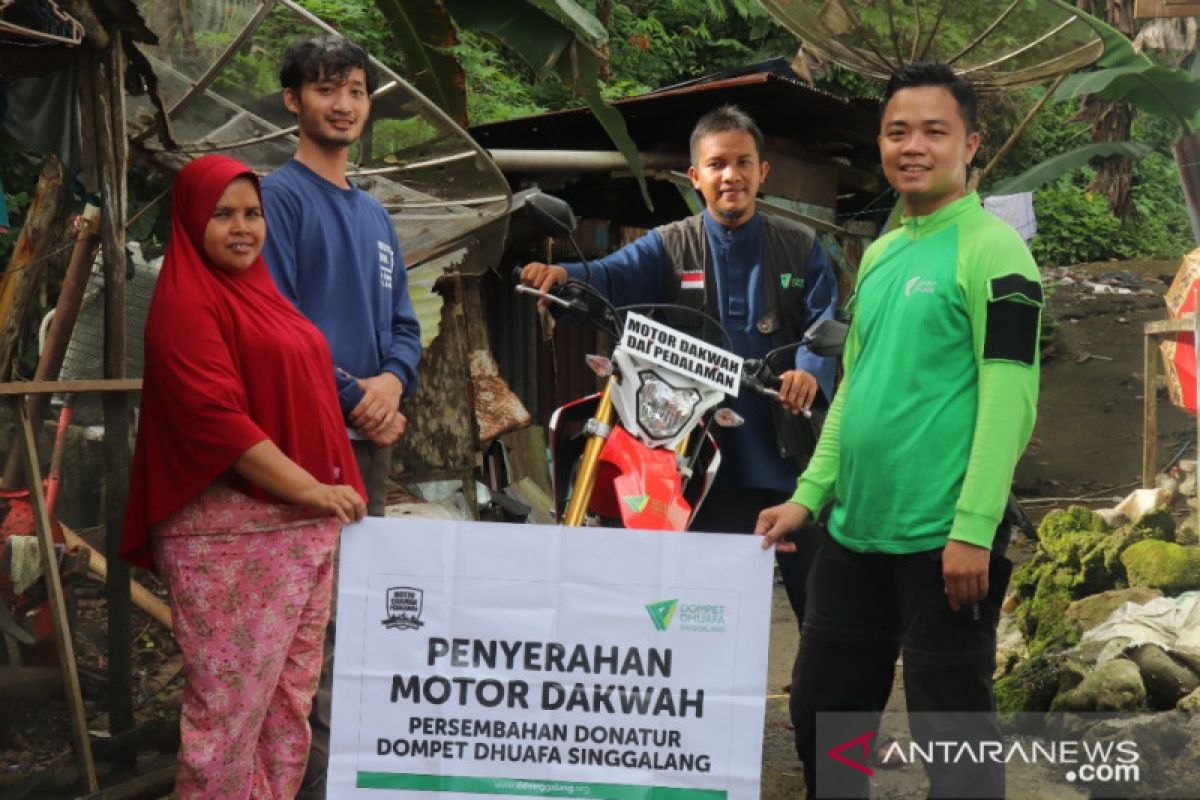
(112, 149)
(66, 311)
(143, 598)
(58, 607)
(39, 235)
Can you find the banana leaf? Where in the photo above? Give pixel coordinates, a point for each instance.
(1118, 50)
(1165, 92)
(422, 31)
(1132, 77)
(571, 16)
(559, 37)
(1054, 168)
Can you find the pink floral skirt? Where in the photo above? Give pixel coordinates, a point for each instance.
(249, 586)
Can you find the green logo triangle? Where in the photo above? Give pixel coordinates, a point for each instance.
(637, 501)
(662, 613)
(785, 280)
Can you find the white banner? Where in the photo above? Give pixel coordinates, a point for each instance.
(663, 345)
(479, 659)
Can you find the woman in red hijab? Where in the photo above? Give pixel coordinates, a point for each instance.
(242, 478)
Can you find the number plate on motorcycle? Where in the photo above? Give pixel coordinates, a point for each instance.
(687, 355)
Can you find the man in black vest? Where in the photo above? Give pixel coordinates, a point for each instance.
(767, 279)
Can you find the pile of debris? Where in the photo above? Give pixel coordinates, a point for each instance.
(1106, 615)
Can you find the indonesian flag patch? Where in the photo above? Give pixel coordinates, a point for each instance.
(691, 279)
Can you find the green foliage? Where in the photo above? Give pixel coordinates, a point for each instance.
(555, 37)
(495, 91)
(1074, 226)
(652, 43)
(841, 81)
(363, 22)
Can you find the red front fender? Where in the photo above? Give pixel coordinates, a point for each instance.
(639, 484)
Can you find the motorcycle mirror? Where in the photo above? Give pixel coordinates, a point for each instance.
(826, 337)
(601, 365)
(728, 418)
(552, 214)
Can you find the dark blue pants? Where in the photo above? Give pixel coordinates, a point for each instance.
(736, 511)
(863, 610)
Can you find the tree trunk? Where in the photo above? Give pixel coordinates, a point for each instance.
(1112, 121)
(604, 14)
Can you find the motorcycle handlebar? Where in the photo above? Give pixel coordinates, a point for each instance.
(758, 376)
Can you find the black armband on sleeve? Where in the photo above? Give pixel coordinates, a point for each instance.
(1013, 319)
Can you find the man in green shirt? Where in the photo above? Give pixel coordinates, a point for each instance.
(917, 455)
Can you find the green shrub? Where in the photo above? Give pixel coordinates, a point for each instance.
(1074, 226)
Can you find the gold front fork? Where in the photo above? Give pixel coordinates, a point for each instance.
(585, 476)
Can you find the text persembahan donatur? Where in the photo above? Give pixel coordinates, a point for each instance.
(646, 701)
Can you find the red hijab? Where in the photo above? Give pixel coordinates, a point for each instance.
(229, 363)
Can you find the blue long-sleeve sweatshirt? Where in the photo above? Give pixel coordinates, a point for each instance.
(334, 254)
(638, 272)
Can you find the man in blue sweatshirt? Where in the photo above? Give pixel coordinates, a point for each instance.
(333, 252)
(767, 279)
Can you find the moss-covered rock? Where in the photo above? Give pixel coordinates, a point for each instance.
(1078, 555)
(1171, 567)
(1025, 579)
(1065, 522)
(1166, 680)
(1113, 686)
(1071, 673)
(1043, 618)
(1159, 523)
(1029, 688)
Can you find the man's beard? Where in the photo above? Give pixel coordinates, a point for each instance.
(729, 214)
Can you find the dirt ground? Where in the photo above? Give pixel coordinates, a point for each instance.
(1087, 448)
(1088, 438)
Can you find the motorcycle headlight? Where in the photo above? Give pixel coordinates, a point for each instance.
(662, 409)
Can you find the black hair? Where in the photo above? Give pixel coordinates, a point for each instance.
(323, 57)
(725, 118)
(935, 73)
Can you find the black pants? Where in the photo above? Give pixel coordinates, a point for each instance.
(736, 511)
(864, 609)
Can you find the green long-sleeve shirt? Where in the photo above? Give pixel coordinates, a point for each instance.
(940, 387)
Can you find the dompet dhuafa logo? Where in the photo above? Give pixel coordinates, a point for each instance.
(661, 613)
